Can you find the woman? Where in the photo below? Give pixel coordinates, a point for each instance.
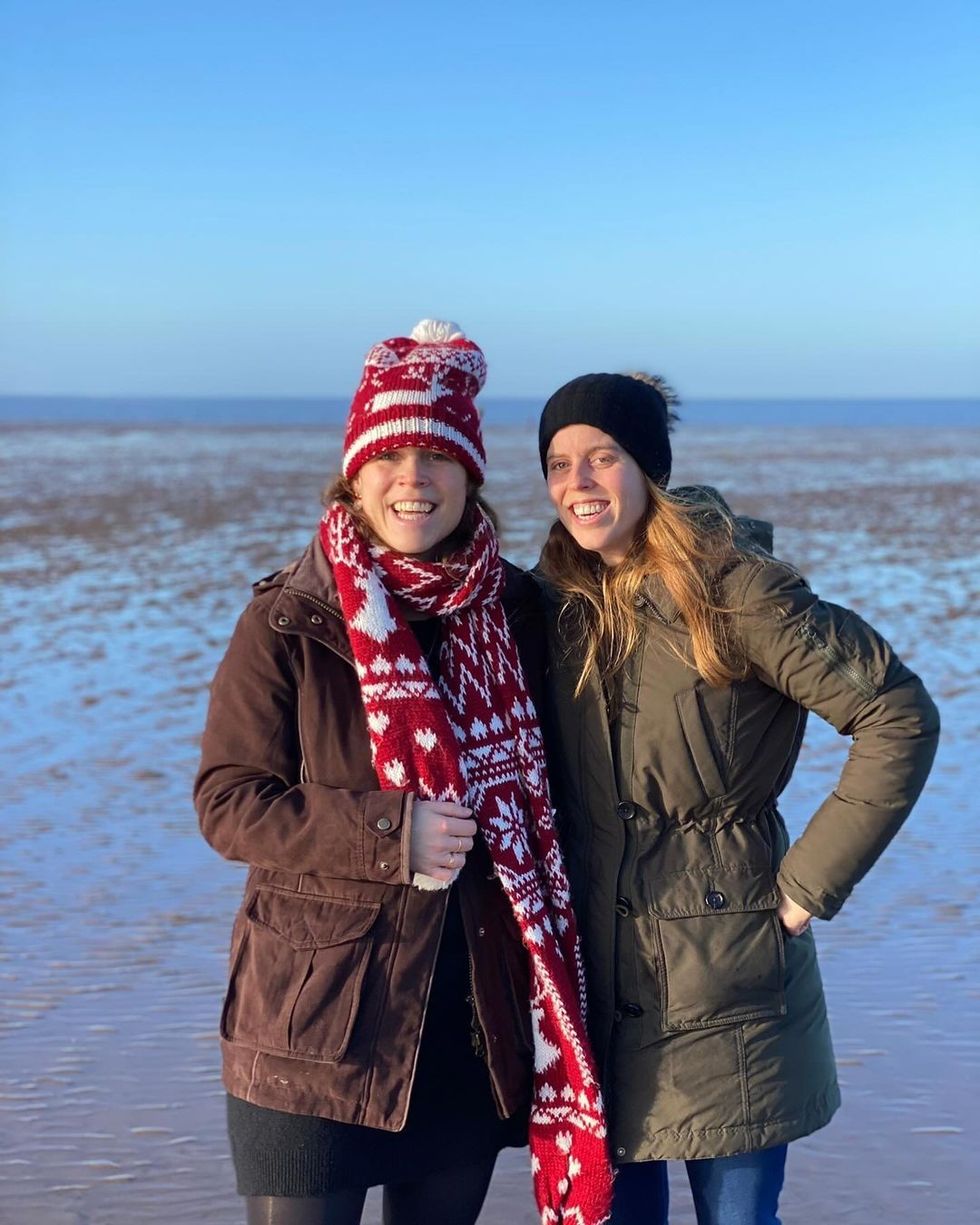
(685, 658)
(371, 752)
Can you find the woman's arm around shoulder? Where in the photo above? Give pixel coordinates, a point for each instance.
(830, 661)
(252, 802)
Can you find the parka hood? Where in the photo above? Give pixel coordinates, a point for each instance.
(753, 533)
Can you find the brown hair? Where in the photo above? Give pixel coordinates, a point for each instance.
(689, 545)
(341, 490)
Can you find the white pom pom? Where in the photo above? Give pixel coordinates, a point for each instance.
(436, 332)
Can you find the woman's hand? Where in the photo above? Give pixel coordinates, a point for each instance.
(795, 919)
(442, 833)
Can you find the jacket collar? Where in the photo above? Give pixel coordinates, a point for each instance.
(655, 598)
(307, 602)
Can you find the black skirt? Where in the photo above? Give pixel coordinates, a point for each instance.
(452, 1119)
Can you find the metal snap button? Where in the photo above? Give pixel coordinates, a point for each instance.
(626, 809)
(621, 1152)
(384, 824)
(384, 866)
(316, 619)
(716, 900)
(282, 621)
(624, 907)
(632, 1010)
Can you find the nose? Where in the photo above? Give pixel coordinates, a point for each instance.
(412, 470)
(581, 473)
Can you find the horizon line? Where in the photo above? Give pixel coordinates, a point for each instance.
(316, 398)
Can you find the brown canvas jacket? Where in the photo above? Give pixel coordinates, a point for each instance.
(332, 950)
(709, 1023)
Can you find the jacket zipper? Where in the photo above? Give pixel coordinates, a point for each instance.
(629, 840)
(836, 661)
(644, 601)
(477, 1040)
(305, 595)
(304, 775)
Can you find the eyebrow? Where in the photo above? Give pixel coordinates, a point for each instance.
(600, 446)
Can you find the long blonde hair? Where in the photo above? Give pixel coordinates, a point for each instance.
(689, 545)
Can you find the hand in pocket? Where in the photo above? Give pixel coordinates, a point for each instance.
(794, 918)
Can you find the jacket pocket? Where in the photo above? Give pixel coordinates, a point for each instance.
(297, 977)
(693, 724)
(847, 664)
(719, 950)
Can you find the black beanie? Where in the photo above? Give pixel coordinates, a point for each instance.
(629, 410)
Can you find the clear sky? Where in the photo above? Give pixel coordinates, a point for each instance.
(238, 197)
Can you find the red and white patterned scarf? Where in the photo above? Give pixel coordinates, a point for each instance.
(473, 738)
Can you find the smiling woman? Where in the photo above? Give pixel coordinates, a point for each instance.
(684, 659)
(372, 752)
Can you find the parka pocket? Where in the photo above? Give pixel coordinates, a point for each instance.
(706, 763)
(719, 948)
(297, 977)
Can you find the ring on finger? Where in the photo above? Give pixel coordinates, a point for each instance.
(459, 845)
(452, 859)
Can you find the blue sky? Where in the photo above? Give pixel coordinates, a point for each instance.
(239, 198)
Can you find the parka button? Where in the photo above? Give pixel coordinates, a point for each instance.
(716, 900)
(282, 621)
(316, 619)
(632, 1010)
(621, 1152)
(385, 867)
(626, 809)
(624, 907)
(384, 824)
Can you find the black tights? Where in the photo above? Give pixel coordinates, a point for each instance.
(451, 1197)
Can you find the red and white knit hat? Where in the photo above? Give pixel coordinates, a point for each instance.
(418, 391)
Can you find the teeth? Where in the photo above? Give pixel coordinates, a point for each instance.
(586, 510)
(413, 508)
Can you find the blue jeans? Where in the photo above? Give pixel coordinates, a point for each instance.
(742, 1190)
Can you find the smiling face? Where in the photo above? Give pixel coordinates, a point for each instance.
(598, 489)
(412, 498)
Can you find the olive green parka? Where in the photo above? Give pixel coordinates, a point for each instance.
(708, 1021)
